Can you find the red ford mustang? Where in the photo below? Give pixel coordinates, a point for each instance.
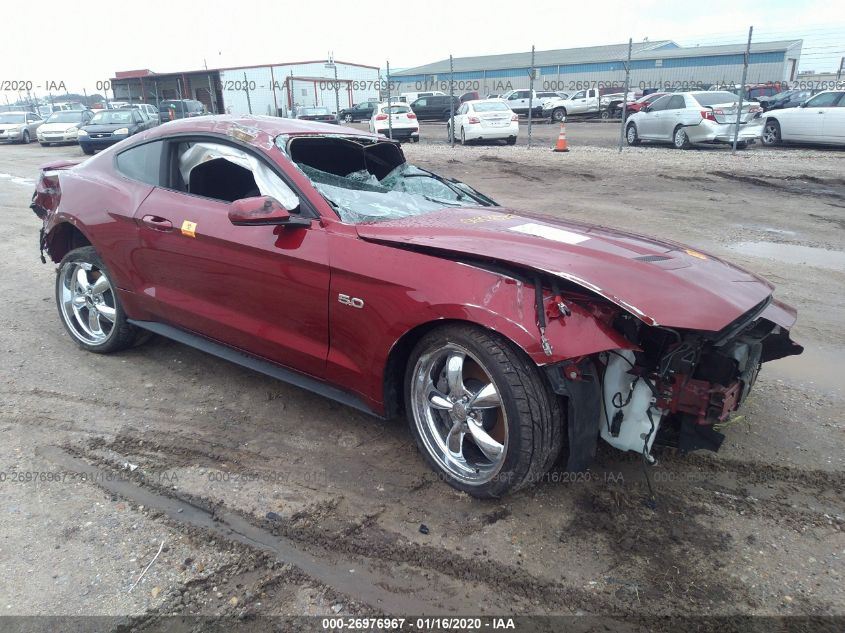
(318, 255)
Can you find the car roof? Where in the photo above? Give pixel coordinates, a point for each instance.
(237, 125)
(494, 100)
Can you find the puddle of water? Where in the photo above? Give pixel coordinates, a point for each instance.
(818, 367)
(26, 182)
(793, 254)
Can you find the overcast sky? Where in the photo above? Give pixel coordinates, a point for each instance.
(81, 43)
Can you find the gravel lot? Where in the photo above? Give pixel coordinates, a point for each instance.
(164, 444)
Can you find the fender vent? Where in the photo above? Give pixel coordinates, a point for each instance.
(652, 258)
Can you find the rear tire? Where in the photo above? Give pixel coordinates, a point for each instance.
(511, 140)
(89, 306)
(509, 440)
(771, 133)
(680, 139)
(463, 137)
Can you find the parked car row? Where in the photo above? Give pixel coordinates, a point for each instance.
(687, 118)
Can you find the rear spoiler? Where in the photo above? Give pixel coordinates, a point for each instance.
(59, 164)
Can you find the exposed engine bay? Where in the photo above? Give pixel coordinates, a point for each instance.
(673, 387)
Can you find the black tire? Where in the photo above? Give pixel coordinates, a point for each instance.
(605, 114)
(45, 144)
(88, 151)
(463, 137)
(741, 144)
(631, 136)
(558, 114)
(680, 139)
(511, 140)
(348, 118)
(25, 139)
(771, 133)
(122, 334)
(532, 413)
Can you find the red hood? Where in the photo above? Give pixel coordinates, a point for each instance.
(687, 289)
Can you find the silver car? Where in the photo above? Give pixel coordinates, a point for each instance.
(687, 118)
(19, 127)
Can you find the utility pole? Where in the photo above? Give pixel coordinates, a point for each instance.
(742, 88)
(451, 102)
(625, 96)
(389, 117)
(530, 95)
(246, 90)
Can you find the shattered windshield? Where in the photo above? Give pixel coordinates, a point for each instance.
(360, 197)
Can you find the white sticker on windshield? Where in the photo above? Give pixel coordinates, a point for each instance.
(550, 233)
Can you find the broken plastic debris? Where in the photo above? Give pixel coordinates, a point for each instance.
(423, 528)
(129, 467)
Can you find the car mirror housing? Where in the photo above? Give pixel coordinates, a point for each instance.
(262, 211)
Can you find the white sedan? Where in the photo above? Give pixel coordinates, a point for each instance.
(63, 126)
(396, 120)
(821, 119)
(485, 119)
(686, 118)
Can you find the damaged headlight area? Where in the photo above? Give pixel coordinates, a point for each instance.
(673, 388)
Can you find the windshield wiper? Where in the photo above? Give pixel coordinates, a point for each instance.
(485, 201)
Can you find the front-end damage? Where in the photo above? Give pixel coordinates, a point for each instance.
(672, 387)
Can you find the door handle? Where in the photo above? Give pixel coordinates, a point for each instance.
(156, 223)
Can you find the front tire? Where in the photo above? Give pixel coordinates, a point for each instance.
(558, 114)
(89, 306)
(25, 139)
(771, 133)
(631, 136)
(480, 411)
(45, 144)
(348, 118)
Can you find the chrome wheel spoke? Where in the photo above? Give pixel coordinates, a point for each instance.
(107, 312)
(455, 440)
(94, 322)
(101, 285)
(491, 448)
(78, 301)
(437, 400)
(82, 279)
(455, 375)
(486, 398)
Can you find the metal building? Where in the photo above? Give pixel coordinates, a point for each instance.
(273, 89)
(658, 64)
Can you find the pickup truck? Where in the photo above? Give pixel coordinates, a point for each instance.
(517, 100)
(584, 102)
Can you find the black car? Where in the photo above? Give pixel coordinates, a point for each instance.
(787, 99)
(316, 113)
(173, 109)
(435, 108)
(358, 112)
(108, 127)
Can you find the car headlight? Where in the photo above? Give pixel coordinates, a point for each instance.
(14, 128)
(121, 130)
(72, 128)
(83, 133)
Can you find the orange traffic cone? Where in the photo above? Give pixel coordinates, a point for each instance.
(562, 145)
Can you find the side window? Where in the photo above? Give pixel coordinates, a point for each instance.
(136, 117)
(660, 104)
(676, 103)
(225, 173)
(420, 103)
(142, 162)
(514, 96)
(463, 109)
(580, 95)
(824, 100)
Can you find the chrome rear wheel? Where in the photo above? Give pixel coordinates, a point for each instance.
(87, 302)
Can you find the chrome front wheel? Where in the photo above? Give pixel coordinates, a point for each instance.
(481, 411)
(459, 414)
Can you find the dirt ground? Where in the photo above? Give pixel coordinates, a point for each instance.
(254, 497)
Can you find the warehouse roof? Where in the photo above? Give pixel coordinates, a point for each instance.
(587, 54)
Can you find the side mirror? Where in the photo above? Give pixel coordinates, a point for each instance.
(262, 211)
(803, 104)
(647, 108)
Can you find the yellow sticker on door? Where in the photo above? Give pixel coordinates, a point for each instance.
(189, 228)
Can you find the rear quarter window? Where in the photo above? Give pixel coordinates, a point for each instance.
(141, 163)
